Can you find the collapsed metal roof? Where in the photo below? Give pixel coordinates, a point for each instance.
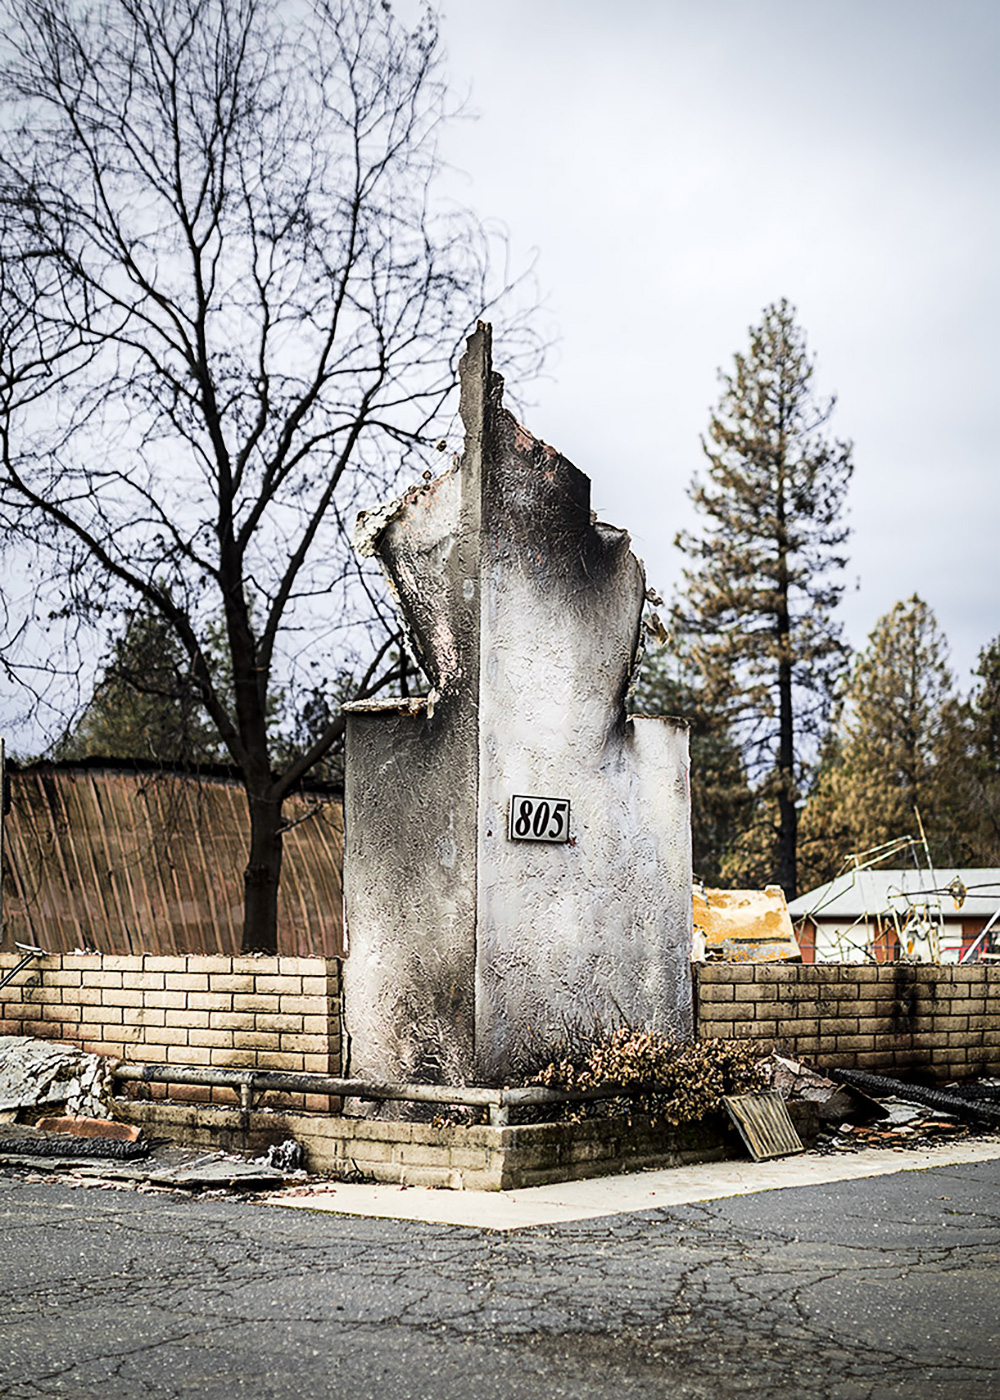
(745, 925)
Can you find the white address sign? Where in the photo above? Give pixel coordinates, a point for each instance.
(538, 819)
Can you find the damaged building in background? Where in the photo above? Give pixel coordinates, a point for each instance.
(910, 914)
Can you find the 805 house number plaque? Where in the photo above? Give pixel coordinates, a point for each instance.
(538, 819)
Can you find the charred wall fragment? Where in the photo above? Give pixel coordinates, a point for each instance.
(525, 611)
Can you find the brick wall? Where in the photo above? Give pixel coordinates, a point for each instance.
(247, 1013)
(944, 1020)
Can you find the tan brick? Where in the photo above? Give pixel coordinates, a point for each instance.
(957, 1040)
(776, 972)
(984, 1023)
(187, 982)
(190, 1019)
(59, 978)
(103, 978)
(118, 996)
(166, 1000)
(316, 1063)
(257, 967)
(873, 1025)
(755, 991)
(255, 1040)
(302, 967)
(143, 981)
(211, 1038)
(157, 962)
(768, 1011)
(298, 1006)
(234, 1059)
(265, 1004)
(713, 1030)
(951, 1023)
(278, 986)
(968, 1006)
(273, 1059)
(56, 1011)
(798, 1028)
(415, 1154)
(727, 1011)
(723, 972)
(306, 1044)
(838, 1025)
(930, 1040)
(231, 982)
(109, 1015)
(277, 1025)
(855, 1042)
(710, 992)
(315, 986)
(319, 1025)
(166, 1035)
(187, 1055)
(149, 1016)
(209, 1001)
(208, 962)
(125, 1035)
(232, 1020)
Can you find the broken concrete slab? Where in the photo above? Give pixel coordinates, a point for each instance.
(35, 1073)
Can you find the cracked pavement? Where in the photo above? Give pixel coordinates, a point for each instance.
(858, 1290)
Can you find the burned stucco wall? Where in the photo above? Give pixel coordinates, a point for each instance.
(464, 943)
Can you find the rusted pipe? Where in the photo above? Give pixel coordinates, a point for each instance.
(247, 1082)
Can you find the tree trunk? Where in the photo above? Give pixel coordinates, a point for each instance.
(261, 876)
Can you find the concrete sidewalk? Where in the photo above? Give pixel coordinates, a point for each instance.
(620, 1195)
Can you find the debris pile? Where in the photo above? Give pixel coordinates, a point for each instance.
(37, 1073)
(859, 1111)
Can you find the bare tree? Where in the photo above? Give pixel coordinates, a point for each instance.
(232, 306)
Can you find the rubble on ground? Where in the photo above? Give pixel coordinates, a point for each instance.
(874, 1111)
(37, 1073)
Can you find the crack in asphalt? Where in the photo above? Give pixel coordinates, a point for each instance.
(862, 1290)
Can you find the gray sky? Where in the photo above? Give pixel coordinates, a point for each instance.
(678, 165)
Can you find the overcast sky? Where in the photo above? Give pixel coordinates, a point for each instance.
(679, 165)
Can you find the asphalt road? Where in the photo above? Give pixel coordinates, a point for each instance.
(861, 1290)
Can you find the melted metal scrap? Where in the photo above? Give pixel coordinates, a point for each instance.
(38, 1072)
(744, 925)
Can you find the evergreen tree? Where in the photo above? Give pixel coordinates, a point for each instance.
(760, 596)
(985, 732)
(899, 719)
(720, 795)
(968, 829)
(146, 704)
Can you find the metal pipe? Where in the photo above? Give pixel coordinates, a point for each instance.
(29, 954)
(258, 1081)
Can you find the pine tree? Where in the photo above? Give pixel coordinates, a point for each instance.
(985, 727)
(720, 794)
(145, 704)
(899, 719)
(969, 764)
(760, 597)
